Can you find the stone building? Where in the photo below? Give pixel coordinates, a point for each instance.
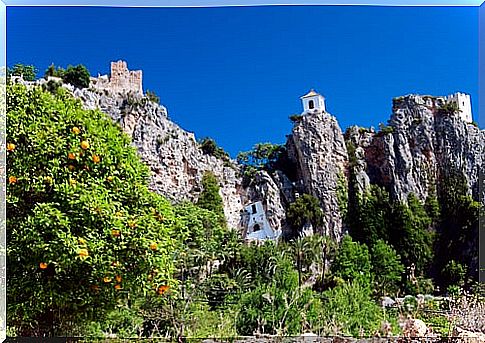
(464, 105)
(121, 79)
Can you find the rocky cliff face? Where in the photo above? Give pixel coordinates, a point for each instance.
(317, 147)
(417, 150)
(421, 146)
(173, 154)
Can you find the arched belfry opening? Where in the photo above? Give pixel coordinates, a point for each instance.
(311, 104)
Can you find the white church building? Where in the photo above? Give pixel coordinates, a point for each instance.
(258, 227)
(313, 102)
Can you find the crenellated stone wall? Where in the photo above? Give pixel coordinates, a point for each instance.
(121, 80)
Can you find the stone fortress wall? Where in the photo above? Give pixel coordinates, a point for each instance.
(121, 80)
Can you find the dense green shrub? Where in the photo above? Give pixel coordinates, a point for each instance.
(296, 118)
(209, 198)
(210, 147)
(28, 72)
(305, 210)
(386, 268)
(352, 262)
(348, 309)
(83, 231)
(77, 76)
(411, 235)
(152, 96)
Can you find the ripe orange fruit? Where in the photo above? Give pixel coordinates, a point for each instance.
(118, 286)
(12, 179)
(115, 233)
(76, 130)
(118, 278)
(71, 156)
(96, 159)
(163, 289)
(83, 252)
(43, 265)
(106, 279)
(10, 147)
(95, 287)
(84, 145)
(153, 246)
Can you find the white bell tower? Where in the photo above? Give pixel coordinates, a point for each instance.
(313, 101)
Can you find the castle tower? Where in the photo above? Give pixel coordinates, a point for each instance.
(464, 105)
(313, 101)
(122, 79)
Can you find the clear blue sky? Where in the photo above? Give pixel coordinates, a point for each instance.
(236, 74)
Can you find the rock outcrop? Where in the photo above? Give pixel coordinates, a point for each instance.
(264, 188)
(423, 143)
(173, 154)
(317, 147)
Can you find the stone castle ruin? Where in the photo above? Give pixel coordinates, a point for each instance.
(121, 80)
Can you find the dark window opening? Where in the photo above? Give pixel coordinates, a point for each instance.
(254, 208)
(311, 105)
(256, 227)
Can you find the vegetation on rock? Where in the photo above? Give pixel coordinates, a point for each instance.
(27, 72)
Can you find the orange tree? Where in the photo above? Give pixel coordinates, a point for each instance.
(84, 233)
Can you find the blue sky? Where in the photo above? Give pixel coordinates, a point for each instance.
(236, 73)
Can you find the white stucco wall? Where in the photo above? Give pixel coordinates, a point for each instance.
(318, 100)
(259, 217)
(464, 105)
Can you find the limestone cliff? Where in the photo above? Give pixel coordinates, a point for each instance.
(173, 154)
(422, 143)
(317, 147)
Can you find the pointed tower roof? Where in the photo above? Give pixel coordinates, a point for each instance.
(310, 94)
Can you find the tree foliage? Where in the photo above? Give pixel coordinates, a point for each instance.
(369, 216)
(54, 71)
(412, 235)
(386, 268)
(210, 147)
(28, 72)
(78, 76)
(459, 226)
(84, 232)
(210, 199)
(352, 261)
(305, 210)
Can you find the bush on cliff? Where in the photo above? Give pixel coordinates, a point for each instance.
(77, 76)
